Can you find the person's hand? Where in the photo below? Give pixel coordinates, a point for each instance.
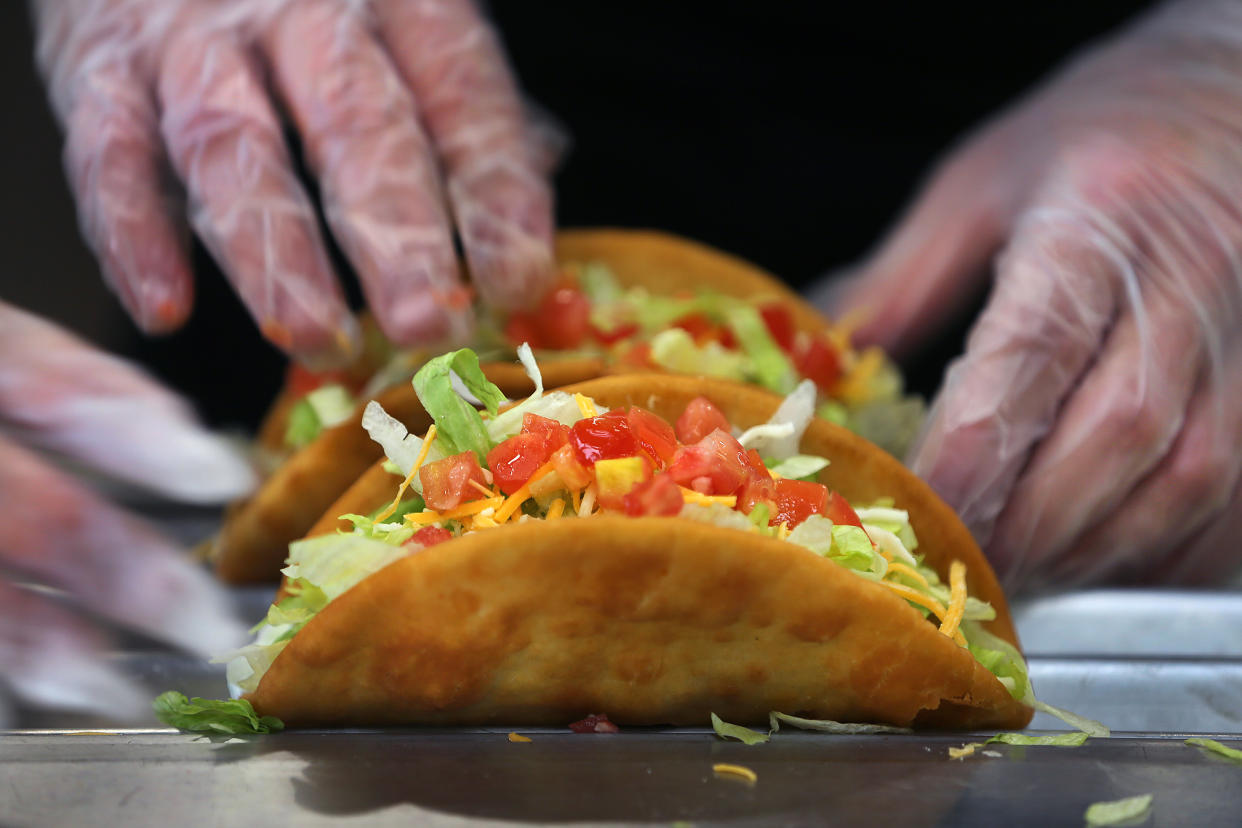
(75, 555)
(1092, 430)
(407, 115)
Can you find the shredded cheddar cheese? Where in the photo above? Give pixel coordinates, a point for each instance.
(965, 750)
(931, 604)
(504, 512)
(555, 509)
(726, 769)
(957, 599)
(585, 405)
(899, 568)
(518, 737)
(405, 484)
(483, 489)
(691, 496)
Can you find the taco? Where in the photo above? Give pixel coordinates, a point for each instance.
(629, 301)
(656, 548)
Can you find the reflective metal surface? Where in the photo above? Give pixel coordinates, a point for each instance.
(439, 778)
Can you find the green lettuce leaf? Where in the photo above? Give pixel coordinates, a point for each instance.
(1232, 754)
(303, 425)
(1089, 726)
(675, 350)
(1000, 658)
(303, 600)
(799, 466)
(772, 367)
(1073, 739)
(828, 726)
(1126, 811)
(743, 734)
(231, 716)
(458, 424)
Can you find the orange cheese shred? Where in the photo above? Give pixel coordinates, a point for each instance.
(556, 509)
(405, 484)
(957, 599)
(519, 497)
(899, 568)
(931, 604)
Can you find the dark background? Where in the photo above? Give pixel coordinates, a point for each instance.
(788, 133)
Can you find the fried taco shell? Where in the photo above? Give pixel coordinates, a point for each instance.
(651, 620)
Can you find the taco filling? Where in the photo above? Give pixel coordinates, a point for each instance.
(559, 456)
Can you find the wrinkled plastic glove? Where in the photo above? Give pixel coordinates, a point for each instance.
(407, 115)
(63, 398)
(1092, 429)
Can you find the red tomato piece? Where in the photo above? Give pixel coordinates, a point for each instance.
(553, 433)
(757, 491)
(780, 323)
(564, 318)
(656, 497)
(611, 337)
(639, 356)
(431, 535)
(446, 483)
(718, 460)
(572, 473)
(797, 500)
(655, 437)
(300, 380)
(700, 419)
(595, 723)
(840, 512)
(523, 327)
(514, 460)
(605, 437)
(819, 362)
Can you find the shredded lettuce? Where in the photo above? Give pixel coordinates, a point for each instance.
(675, 350)
(458, 424)
(303, 425)
(1089, 726)
(829, 726)
(302, 601)
(1232, 754)
(325, 407)
(400, 446)
(799, 466)
(742, 734)
(1126, 811)
(233, 717)
(771, 366)
(795, 410)
(1073, 739)
(847, 545)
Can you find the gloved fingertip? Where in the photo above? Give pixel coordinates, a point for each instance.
(419, 317)
(78, 680)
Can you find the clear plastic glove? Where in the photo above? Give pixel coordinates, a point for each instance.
(61, 396)
(1092, 430)
(407, 114)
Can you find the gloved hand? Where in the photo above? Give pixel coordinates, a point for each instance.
(407, 115)
(1092, 429)
(62, 396)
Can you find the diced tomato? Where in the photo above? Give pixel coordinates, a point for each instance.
(571, 471)
(639, 356)
(561, 321)
(758, 491)
(610, 337)
(780, 323)
(700, 419)
(553, 433)
(654, 435)
(595, 723)
(797, 500)
(656, 497)
(715, 465)
(703, 330)
(431, 535)
(300, 380)
(446, 483)
(607, 436)
(819, 362)
(840, 512)
(755, 464)
(514, 460)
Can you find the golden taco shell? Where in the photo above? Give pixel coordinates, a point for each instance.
(256, 531)
(651, 620)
